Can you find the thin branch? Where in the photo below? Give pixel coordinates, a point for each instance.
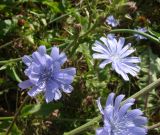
(9, 43)
(154, 126)
(156, 40)
(16, 114)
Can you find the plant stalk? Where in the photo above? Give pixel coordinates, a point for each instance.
(16, 115)
(98, 118)
(135, 31)
(154, 126)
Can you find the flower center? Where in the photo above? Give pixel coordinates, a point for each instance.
(115, 58)
(44, 77)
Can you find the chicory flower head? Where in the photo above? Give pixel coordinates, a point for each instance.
(112, 21)
(138, 36)
(113, 51)
(119, 120)
(45, 74)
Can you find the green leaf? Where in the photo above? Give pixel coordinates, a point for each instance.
(53, 5)
(85, 50)
(8, 22)
(29, 38)
(2, 7)
(15, 130)
(4, 125)
(3, 67)
(40, 109)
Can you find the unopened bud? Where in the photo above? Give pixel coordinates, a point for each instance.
(78, 27)
(21, 22)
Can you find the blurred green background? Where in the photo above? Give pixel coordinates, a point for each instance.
(73, 25)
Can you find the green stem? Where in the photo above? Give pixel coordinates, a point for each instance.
(137, 32)
(9, 43)
(85, 126)
(16, 115)
(15, 75)
(8, 61)
(98, 118)
(58, 18)
(154, 126)
(6, 118)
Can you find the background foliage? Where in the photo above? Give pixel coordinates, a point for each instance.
(73, 25)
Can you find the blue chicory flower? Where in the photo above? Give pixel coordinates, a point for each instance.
(138, 36)
(119, 120)
(112, 21)
(113, 51)
(45, 74)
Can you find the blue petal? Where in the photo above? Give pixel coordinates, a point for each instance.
(127, 53)
(99, 105)
(25, 84)
(100, 56)
(133, 113)
(66, 88)
(120, 71)
(104, 63)
(140, 121)
(64, 78)
(118, 101)
(130, 100)
(57, 95)
(127, 69)
(55, 53)
(125, 48)
(58, 57)
(104, 131)
(110, 99)
(123, 110)
(42, 50)
(34, 78)
(39, 59)
(63, 58)
(132, 66)
(120, 45)
(112, 44)
(99, 47)
(49, 61)
(100, 131)
(27, 60)
(138, 131)
(51, 89)
(111, 36)
(112, 21)
(56, 68)
(104, 40)
(34, 91)
(69, 71)
(131, 60)
(37, 69)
